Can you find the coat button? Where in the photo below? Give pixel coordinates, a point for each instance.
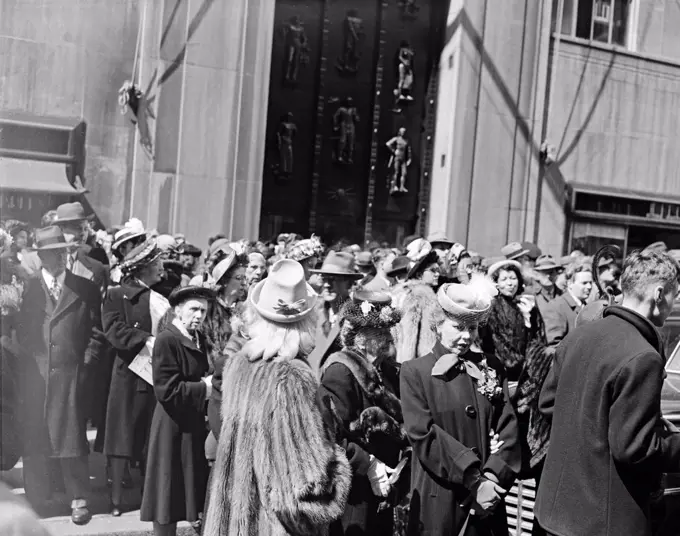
(470, 412)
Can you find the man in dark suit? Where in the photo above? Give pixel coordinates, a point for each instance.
(560, 314)
(60, 330)
(609, 445)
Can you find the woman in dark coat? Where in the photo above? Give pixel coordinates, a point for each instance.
(453, 399)
(360, 388)
(128, 325)
(177, 471)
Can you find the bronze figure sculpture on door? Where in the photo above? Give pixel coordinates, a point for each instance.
(348, 62)
(399, 162)
(344, 122)
(296, 49)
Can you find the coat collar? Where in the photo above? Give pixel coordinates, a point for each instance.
(132, 289)
(68, 296)
(188, 343)
(570, 300)
(644, 326)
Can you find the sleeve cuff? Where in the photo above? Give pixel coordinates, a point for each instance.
(498, 467)
(469, 464)
(358, 459)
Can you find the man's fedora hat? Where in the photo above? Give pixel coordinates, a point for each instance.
(439, 237)
(284, 296)
(364, 259)
(71, 213)
(534, 251)
(339, 264)
(397, 266)
(514, 250)
(50, 238)
(546, 262)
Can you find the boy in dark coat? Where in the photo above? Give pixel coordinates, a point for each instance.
(608, 444)
(454, 402)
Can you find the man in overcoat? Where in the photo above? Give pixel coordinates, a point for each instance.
(60, 329)
(454, 402)
(560, 314)
(608, 444)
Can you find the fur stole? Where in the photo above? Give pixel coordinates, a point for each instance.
(383, 418)
(278, 470)
(414, 335)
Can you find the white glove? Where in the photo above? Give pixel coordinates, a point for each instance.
(208, 386)
(379, 477)
(526, 304)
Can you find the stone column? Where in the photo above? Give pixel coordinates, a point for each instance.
(209, 62)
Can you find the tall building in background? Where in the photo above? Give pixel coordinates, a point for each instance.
(490, 120)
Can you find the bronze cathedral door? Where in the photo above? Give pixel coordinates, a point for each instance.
(350, 118)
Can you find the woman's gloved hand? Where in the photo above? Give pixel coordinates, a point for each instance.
(379, 476)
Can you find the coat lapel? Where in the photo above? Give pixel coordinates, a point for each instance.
(68, 297)
(46, 296)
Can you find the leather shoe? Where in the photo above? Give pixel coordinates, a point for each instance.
(81, 516)
(116, 511)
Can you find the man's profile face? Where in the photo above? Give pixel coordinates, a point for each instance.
(582, 285)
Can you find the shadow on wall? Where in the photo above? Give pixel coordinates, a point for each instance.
(553, 175)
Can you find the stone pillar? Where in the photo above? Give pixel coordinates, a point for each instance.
(489, 122)
(208, 64)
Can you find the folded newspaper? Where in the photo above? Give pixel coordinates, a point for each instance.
(141, 364)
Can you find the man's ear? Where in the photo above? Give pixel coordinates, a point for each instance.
(659, 293)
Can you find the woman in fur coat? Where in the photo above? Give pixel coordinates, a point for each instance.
(414, 335)
(360, 388)
(278, 470)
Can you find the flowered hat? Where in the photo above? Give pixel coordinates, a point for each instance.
(141, 255)
(370, 309)
(304, 249)
(469, 303)
(284, 296)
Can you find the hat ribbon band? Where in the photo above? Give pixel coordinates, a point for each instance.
(286, 308)
(50, 241)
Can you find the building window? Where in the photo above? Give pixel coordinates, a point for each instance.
(604, 21)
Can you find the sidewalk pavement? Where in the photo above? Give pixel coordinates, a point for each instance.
(58, 521)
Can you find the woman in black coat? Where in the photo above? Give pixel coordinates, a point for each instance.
(360, 389)
(128, 325)
(177, 471)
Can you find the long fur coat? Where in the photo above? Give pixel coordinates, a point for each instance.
(414, 335)
(278, 470)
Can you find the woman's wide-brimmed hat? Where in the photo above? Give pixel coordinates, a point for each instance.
(224, 265)
(370, 309)
(421, 253)
(71, 213)
(506, 263)
(50, 238)
(134, 228)
(284, 296)
(465, 303)
(141, 255)
(191, 292)
(339, 264)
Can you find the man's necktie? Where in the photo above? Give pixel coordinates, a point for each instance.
(71, 260)
(55, 290)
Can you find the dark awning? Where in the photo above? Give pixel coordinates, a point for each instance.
(35, 176)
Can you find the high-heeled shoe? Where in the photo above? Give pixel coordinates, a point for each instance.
(116, 510)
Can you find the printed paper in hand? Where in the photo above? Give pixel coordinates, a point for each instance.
(141, 365)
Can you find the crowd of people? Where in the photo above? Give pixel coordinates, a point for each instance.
(292, 387)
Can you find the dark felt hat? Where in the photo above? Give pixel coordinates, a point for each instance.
(399, 265)
(49, 238)
(192, 292)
